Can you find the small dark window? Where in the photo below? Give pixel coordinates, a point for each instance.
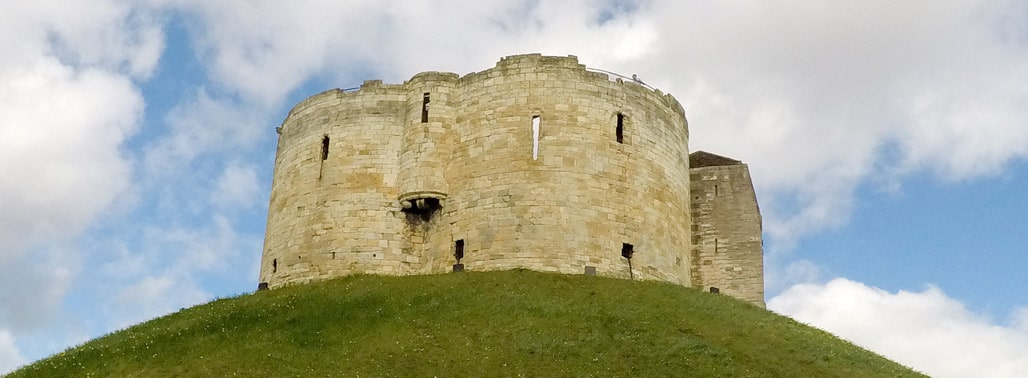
(324, 148)
(715, 245)
(424, 108)
(274, 265)
(619, 131)
(715, 190)
(458, 250)
(714, 290)
(627, 250)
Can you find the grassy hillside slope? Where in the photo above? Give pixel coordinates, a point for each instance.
(515, 323)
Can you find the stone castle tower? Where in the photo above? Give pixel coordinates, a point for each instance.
(537, 163)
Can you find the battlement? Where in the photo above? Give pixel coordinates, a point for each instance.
(538, 163)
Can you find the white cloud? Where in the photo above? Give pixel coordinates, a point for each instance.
(62, 128)
(208, 247)
(112, 35)
(814, 96)
(1019, 319)
(780, 275)
(34, 285)
(926, 330)
(10, 357)
(264, 50)
(171, 268)
(67, 105)
(64, 111)
(202, 125)
(152, 296)
(237, 187)
(60, 151)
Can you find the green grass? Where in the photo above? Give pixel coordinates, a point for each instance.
(514, 323)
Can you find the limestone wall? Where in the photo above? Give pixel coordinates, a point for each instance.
(727, 241)
(335, 216)
(584, 195)
(412, 168)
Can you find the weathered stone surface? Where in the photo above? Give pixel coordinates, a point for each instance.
(726, 236)
(412, 168)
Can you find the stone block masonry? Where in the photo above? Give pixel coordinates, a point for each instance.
(726, 233)
(537, 163)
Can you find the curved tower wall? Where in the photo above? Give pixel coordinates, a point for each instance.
(584, 195)
(426, 138)
(332, 214)
(572, 208)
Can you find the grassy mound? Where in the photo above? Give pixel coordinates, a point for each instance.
(515, 323)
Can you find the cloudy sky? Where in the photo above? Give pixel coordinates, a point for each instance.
(888, 142)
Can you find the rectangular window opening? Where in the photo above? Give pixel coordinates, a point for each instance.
(619, 132)
(535, 137)
(715, 190)
(458, 250)
(424, 108)
(627, 250)
(715, 245)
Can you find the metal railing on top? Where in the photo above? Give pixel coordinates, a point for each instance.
(634, 78)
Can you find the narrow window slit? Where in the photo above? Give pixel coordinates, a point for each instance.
(424, 108)
(619, 131)
(535, 137)
(324, 148)
(324, 156)
(274, 265)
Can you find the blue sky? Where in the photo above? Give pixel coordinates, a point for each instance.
(887, 142)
